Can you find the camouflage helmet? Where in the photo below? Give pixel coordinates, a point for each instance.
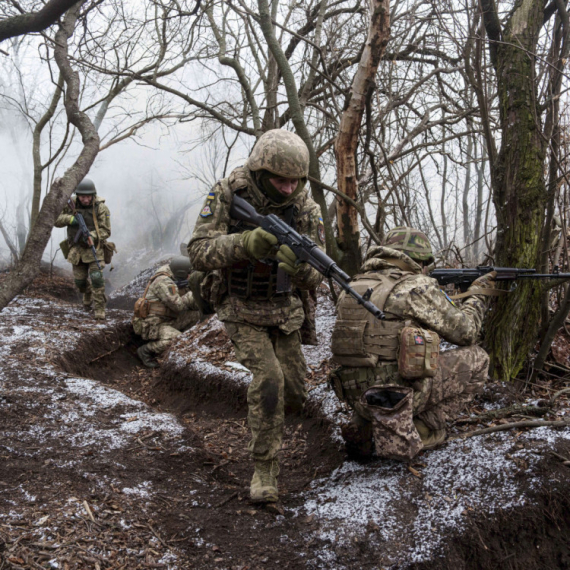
(281, 152)
(180, 266)
(86, 188)
(412, 242)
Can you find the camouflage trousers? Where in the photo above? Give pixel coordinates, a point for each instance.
(161, 334)
(278, 366)
(461, 374)
(89, 280)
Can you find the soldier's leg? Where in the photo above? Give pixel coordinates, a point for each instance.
(185, 320)
(265, 398)
(98, 287)
(461, 374)
(290, 356)
(80, 273)
(166, 335)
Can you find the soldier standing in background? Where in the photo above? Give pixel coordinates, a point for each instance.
(165, 310)
(245, 265)
(79, 253)
(415, 388)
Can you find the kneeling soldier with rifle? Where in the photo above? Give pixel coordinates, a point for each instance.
(165, 310)
(88, 222)
(401, 390)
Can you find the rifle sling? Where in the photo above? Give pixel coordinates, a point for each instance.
(96, 223)
(489, 292)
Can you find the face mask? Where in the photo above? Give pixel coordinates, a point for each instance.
(262, 179)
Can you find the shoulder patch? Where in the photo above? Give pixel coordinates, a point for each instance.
(173, 289)
(206, 210)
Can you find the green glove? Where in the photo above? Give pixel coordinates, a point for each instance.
(73, 221)
(289, 261)
(258, 243)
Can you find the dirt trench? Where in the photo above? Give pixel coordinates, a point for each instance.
(532, 538)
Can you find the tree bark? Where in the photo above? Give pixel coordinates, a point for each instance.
(62, 188)
(34, 21)
(519, 191)
(347, 139)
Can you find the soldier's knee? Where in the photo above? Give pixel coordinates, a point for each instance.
(97, 279)
(81, 284)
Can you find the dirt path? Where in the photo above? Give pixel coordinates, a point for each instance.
(104, 464)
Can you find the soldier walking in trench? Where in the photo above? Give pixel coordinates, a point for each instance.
(87, 273)
(401, 390)
(165, 310)
(245, 265)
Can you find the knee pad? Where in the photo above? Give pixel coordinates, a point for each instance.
(81, 284)
(97, 279)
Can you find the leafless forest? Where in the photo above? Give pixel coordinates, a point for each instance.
(447, 116)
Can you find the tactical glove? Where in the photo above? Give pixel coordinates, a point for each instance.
(486, 281)
(258, 243)
(289, 261)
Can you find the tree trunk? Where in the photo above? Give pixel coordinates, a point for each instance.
(519, 188)
(62, 188)
(347, 140)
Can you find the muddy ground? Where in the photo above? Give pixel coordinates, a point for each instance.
(107, 465)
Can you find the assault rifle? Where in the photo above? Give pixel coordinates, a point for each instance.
(462, 278)
(83, 231)
(304, 248)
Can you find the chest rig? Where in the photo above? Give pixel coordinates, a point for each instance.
(258, 281)
(89, 215)
(359, 339)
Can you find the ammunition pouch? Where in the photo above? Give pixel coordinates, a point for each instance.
(418, 355)
(391, 410)
(252, 281)
(109, 249)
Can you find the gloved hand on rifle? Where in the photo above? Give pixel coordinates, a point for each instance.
(289, 261)
(486, 281)
(258, 243)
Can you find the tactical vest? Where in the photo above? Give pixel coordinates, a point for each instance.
(256, 281)
(359, 338)
(89, 213)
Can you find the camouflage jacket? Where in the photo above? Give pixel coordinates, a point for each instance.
(420, 298)
(163, 290)
(80, 251)
(216, 246)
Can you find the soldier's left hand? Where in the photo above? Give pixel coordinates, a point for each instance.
(289, 261)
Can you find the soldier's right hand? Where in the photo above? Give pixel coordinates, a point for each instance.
(258, 243)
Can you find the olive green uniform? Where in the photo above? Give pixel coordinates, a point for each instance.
(88, 277)
(172, 311)
(264, 326)
(415, 299)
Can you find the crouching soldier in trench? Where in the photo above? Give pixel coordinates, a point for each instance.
(245, 265)
(87, 274)
(165, 310)
(401, 390)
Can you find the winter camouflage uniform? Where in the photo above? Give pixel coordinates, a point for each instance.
(415, 300)
(265, 327)
(98, 220)
(172, 312)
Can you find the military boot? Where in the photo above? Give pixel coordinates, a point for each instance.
(99, 302)
(357, 435)
(430, 437)
(263, 488)
(147, 356)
